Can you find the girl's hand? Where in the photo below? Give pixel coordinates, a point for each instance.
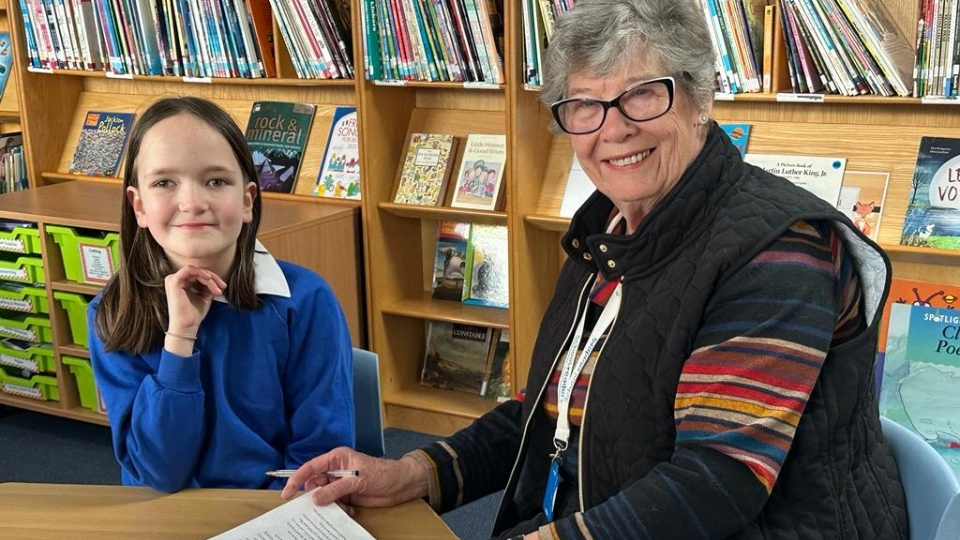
(190, 291)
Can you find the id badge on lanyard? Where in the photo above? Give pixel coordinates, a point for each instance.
(572, 366)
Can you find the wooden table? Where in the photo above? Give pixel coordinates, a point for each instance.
(76, 512)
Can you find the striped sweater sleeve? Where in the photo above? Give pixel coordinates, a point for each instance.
(741, 394)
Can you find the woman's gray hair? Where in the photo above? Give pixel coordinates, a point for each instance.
(602, 35)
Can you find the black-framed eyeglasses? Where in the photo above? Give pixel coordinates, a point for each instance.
(640, 102)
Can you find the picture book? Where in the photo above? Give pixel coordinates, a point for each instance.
(486, 275)
(456, 356)
(739, 134)
(933, 210)
(862, 197)
(450, 260)
(822, 176)
(339, 175)
(498, 381)
(912, 292)
(100, 146)
(277, 132)
(426, 166)
(920, 388)
(579, 188)
(479, 180)
(6, 58)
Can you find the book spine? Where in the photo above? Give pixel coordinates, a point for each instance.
(261, 19)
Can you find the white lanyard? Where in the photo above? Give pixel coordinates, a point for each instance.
(572, 367)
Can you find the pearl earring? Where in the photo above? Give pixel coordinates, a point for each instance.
(703, 118)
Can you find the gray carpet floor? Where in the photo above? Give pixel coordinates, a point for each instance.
(47, 449)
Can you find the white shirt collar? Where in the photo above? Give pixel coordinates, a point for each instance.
(268, 277)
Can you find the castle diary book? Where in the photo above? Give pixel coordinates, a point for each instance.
(100, 146)
(339, 175)
(277, 132)
(480, 178)
(423, 175)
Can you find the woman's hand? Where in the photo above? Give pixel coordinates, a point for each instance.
(380, 482)
(190, 290)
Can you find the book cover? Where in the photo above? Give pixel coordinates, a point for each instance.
(103, 138)
(739, 134)
(862, 198)
(6, 58)
(933, 211)
(426, 166)
(498, 382)
(450, 260)
(339, 175)
(921, 376)
(579, 188)
(480, 178)
(456, 356)
(822, 176)
(486, 274)
(277, 132)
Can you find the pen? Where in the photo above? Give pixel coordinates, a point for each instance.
(336, 473)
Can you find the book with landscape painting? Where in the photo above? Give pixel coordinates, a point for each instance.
(933, 208)
(450, 260)
(423, 174)
(480, 178)
(277, 133)
(339, 175)
(100, 147)
(456, 356)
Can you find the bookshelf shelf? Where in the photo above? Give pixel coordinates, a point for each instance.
(233, 81)
(70, 286)
(443, 213)
(425, 307)
(547, 222)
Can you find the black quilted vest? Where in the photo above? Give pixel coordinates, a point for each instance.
(719, 215)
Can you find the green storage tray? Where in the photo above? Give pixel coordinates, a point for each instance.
(76, 307)
(86, 384)
(37, 358)
(22, 269)
(23, 298)
(20, 240)
(38, 387)
(26, 327)
(87, 259)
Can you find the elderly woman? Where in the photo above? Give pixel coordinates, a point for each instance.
(705, 369)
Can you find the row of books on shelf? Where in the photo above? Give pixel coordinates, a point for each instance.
(189, 38)
(433, 40)
(467, 358)
(13, 168)
(471, 264)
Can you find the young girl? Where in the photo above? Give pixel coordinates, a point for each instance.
(216, 362)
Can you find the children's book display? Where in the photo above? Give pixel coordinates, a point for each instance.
(920, 388)
(739, 134)
(822, 176)
(103, 138)
(426, 166)
(933, 209)
(486, 276)
(339, 175)
(456, 356)
(579, 188)
(277, 132)
(862, 198)
(480, 178)
(451, 260)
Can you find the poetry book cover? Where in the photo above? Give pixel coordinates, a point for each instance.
(477, 184)
(426, 166)
(103, 138)
(277, 132)
(339, 175)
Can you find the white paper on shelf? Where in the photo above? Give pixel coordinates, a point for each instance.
(579, 187)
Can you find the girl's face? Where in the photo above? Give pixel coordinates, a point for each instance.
(191, 194)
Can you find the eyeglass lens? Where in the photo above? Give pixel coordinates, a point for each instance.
(639, 103)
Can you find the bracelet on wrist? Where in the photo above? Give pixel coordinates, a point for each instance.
(181, 336)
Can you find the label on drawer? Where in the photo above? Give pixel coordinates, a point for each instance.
(22, 391)
(19, 333)
(17, 305)
(97, 262)
(13, 244)
(19, 274)
(20, 363)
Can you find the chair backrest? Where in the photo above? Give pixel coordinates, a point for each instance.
(366, 401)
(931, 486)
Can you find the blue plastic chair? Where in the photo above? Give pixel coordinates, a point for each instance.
(931, 486)
(366, 402)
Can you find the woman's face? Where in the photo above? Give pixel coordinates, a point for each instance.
(635, 163)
